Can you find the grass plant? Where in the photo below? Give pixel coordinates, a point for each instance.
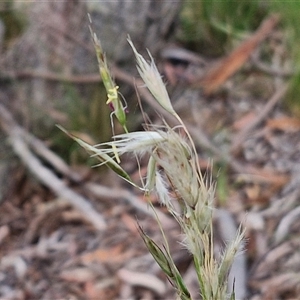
(212, 27)
(174, 175)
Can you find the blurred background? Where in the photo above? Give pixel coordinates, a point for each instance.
(68, 231)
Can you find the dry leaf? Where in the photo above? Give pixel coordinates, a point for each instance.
(104, 289)
(78, 275)
(287, 124)
(244, 121)
(130, 223)
(219, 73)
(253, 192)
(258, 175)
(111, 255)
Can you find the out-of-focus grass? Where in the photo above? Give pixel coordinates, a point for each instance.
(213, 27)
(91, 114)
(210, 27)
(13, 22)
(289, 11)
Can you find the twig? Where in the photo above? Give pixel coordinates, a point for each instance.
(241, 137)
(44, 175)
(268, 262)
(49, 179)
(141, 279)
(104, 191)
(259, 65)
(283, 229)
(51, 76)
(56, 162)
(281, 206)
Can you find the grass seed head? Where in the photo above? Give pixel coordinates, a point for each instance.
(153, 80)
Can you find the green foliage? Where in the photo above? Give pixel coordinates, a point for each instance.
(289, 12)
(222, 187)
(13, 20)
(210, 27)
(91, 114)
(292, 98)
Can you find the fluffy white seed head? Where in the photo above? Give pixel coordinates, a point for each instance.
(153, 80)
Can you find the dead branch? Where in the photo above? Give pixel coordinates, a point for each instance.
(241, 137)
(283, 229)
(43, 174)
(134, 201)
(263, 67)
(141, 279)
(56, 162)
(51, 76)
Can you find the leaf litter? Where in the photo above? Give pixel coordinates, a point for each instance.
(49, 250)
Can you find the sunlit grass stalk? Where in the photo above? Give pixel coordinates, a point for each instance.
(113, 99)
(173, 164)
